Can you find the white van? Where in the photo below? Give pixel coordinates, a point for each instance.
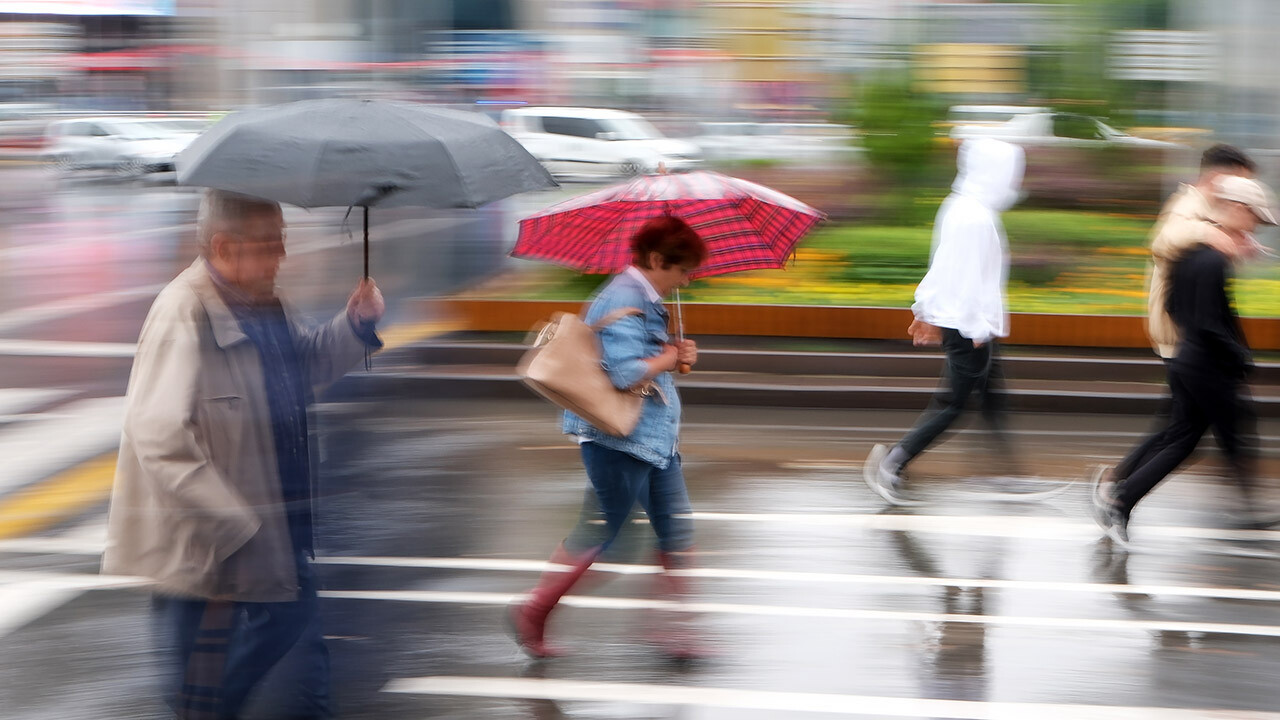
(597, 142)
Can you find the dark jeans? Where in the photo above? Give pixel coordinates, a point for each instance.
(1202, 398)
(619, 481)
(244, 641)
(968, 370)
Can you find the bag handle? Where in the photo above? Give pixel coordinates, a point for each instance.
(614, 317)
(647, 388)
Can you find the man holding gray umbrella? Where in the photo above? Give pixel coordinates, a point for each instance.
(212, 497)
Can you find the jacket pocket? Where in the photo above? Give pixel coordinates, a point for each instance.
(222, 418)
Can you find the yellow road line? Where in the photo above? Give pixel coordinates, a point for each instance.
(401, 335)
(61, 496)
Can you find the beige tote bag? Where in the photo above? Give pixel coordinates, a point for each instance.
(564, 366)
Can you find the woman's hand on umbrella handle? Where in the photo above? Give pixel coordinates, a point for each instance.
(366, 304)
(686, 356)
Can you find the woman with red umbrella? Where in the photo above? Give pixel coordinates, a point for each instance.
(643, 466)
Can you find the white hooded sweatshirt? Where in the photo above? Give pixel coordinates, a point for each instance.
(969, 263)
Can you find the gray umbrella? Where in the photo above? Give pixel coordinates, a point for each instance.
(318, 153)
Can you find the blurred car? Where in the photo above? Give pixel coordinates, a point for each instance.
(783, 142)
(597, 142)
(22, 124)
(129, 146)
(988, 115)
(1060, 129)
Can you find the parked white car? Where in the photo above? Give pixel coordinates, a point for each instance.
(129, 146)
(1056, 129)
(989, 115)
(597, 142)
(783, 142)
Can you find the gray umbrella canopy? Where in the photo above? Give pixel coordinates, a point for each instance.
(319, 153)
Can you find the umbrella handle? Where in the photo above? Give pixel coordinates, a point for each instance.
(684, 368)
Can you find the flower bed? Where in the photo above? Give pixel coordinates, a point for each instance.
(1063, 262)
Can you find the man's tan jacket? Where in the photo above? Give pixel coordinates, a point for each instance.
(1182, 225)
(197, 503)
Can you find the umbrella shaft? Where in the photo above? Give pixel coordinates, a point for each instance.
(366, 242)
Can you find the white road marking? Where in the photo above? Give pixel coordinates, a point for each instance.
(1029, 527)
(24, 602)
(784, 701)
(15, 401)
(301, 245)
(46, 445)
(793, 611)
(78, 582)
(53, 546)
(63, 348)
(790, 576)
(67, 307)
(1005, 526)
(90, 541)
(91, 532)
(889, 429)
(26, 596)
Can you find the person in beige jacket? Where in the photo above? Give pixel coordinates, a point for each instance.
(1184, 224)
(212, 495)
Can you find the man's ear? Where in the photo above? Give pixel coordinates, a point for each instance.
(220, 246)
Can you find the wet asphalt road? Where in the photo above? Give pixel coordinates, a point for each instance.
(818, 600)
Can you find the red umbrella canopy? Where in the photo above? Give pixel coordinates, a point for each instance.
(745, 226)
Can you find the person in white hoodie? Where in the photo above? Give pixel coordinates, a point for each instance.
(960, 304)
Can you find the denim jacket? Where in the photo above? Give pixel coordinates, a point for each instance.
(624, 345)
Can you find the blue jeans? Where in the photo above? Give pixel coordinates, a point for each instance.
(619, 481)
(247, 640)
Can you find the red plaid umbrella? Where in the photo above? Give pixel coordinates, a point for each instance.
(745, 226)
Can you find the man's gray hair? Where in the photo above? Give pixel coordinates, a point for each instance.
(223, 211)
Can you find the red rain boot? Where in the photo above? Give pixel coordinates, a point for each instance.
(528, 620)
(677, 632)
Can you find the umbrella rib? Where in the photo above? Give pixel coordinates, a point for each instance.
(315, 171)
(457, 171)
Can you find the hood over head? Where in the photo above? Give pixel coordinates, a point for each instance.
(990, 171)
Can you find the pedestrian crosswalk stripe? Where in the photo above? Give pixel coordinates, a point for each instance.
(790, 702)
(83, 581)
(793, 611)
(64, 348)
(1009, 526)
(15, 401)
(791, 576)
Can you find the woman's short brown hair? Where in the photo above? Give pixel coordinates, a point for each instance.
(673, 239)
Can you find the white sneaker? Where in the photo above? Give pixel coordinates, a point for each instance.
(1100, 489)
(882, 479)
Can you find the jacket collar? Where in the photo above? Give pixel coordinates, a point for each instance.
(646, 290)
(226, 329)
(639, 279)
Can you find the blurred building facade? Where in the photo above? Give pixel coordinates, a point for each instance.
(1174, 62)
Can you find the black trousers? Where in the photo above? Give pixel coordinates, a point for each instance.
(1201, 399)
(968, 370)
(1143, 452)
